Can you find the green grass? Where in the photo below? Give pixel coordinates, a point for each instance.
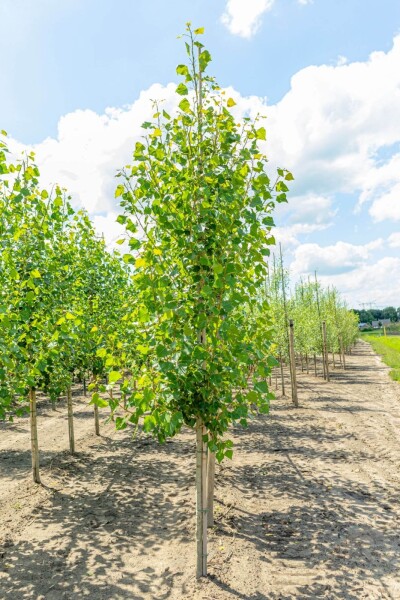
(389, 349)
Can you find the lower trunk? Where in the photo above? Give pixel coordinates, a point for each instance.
(201, 500)
(70, 422)
(34, 436)
(96, 420)
(210, 488)
(315, 365)
(282, 376)
(293, 364)
(112, 410)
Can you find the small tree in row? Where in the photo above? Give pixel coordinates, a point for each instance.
(197, 206)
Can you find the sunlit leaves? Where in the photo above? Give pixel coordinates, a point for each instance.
(198, 199)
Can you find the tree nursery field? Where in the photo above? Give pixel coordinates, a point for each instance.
(307, 508)
(195, 424)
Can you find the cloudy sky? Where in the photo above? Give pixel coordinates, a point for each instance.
(77, 77)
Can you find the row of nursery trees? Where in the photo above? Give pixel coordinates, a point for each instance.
(183, 329)
(61, 292)
(312, 325)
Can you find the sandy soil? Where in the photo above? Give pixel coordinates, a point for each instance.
(308, 508)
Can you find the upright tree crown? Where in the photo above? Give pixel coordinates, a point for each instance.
(197, 206)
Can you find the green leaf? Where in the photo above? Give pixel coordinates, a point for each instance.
(231, 102)
(182, 70)
(98, 401)
(261, 133)
(149, 423)
(184, 105)
(261, 386)
(252, 396)
(118, 192)
(182, 89)
(114, 376)
(204, 59)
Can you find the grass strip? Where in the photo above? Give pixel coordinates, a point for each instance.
(389, 349)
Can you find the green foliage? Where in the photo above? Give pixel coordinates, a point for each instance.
(59, 288)
(307, 306)
(197, 201)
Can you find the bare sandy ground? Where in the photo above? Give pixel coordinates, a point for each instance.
(308, 508)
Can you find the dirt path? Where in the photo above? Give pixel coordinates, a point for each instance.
(308, 508)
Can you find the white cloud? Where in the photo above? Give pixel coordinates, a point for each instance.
(387, 206)
(331, 129)
(243, 17)
(394, 240)
(307, 209)
(352, 270)
(330, 126)
(288, 236)
(90, 148)
(112, 231)
(369, 283)
(332, 260)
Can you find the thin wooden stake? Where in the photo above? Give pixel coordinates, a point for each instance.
(34, 436)
(201, 500)
(315, 366)
(325, 349)
(293, 364)
(96, 419)
(282, 376)
(210, 488)
(70, 422)
(342, 352)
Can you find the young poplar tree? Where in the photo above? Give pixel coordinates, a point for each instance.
(197, 206)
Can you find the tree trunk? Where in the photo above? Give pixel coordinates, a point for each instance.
(342, 351)
(70, 422)
(282, 376)
(201, 500)
(84, 386)
(325, 349)
(34, 436)
(315, 366)
(210, 488)
(96, 419)
(293, 364)
(112, 410)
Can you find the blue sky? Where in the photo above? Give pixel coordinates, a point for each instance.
(325, 72)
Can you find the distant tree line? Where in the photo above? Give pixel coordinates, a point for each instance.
(376, 314)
